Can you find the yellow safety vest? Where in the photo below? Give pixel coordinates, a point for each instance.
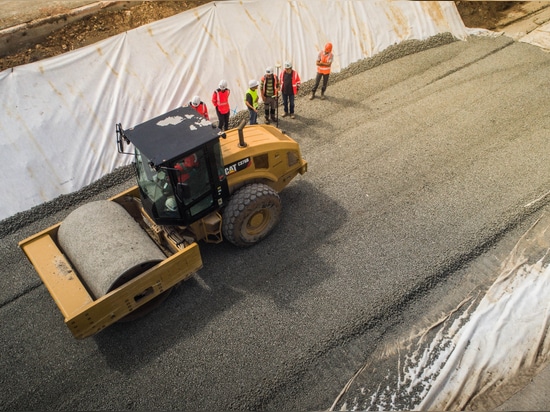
(254, 95)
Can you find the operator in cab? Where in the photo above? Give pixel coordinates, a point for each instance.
(186, 167)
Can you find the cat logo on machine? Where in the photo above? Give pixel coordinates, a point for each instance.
(237, 166)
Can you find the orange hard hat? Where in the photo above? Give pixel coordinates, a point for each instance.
(328, 47)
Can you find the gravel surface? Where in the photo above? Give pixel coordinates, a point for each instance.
(421, 160)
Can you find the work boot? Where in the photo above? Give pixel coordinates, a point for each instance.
(312, 96)
(285, 114)
(322, 96)
(273, 119)
(266, 120)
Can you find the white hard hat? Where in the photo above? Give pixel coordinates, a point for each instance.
(171, 204)
(253, 83)
(223, 84)
(269, 70)
(196, 100)
(288, 65)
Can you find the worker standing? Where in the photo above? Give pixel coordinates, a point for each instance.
(220, 100)
(251, 100)
(290, 84)
(197, 104)
(324, 61)
(269, 87)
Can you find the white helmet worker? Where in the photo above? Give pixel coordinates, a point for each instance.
(253, 83)
(223, 84)
(196, 101)
(269, 70)
(288, 65)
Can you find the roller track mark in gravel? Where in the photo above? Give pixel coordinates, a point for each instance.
(24, 292)
(450, 72)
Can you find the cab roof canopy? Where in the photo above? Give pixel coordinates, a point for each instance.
(171, 135)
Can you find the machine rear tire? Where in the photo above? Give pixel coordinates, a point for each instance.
(252, 213)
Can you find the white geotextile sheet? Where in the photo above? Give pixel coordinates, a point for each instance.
(504, 339)
(539, 37)
(481, 353)
(58, 116)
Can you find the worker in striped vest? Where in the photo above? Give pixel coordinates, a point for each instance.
(269, 87)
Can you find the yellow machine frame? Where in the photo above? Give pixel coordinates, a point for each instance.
(271, 157)
(85, 316)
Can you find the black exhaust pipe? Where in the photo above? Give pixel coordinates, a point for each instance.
(240, 127)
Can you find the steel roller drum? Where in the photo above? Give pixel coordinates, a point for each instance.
(106, 246)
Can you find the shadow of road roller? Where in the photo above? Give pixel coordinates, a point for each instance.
(108, 248)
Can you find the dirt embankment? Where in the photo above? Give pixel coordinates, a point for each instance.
(109, 22)
(92, 28)
(486, 14)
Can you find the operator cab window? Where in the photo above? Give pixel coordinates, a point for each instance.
(193, 186)
(156, 187)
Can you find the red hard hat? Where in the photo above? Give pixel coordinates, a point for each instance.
(328, 47)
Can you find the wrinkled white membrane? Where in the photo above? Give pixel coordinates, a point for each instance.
(539, 37)
(480, 348)
(140, 74)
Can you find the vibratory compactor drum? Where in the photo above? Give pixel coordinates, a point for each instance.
(106, 246)
(101, 266)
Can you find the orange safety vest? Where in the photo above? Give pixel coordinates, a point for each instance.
(324, 58)
(220, 100)
(295, 81)
(201, 109)
(184, 168)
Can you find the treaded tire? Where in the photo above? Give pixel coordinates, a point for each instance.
(252, 213)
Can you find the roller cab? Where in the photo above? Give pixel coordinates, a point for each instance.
(186, 170)
(179, 166)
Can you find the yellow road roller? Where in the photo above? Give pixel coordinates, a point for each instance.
(117, 259)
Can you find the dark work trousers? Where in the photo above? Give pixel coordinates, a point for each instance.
(253, 116)
(318, 80)
(223, 120)
(288, 100)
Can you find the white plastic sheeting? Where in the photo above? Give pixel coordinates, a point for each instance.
(58, 116)
(478, 355)
(539, 37)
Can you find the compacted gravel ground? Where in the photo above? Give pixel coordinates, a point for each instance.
(423, 161)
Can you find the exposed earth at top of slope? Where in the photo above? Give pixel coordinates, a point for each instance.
(108, 22)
